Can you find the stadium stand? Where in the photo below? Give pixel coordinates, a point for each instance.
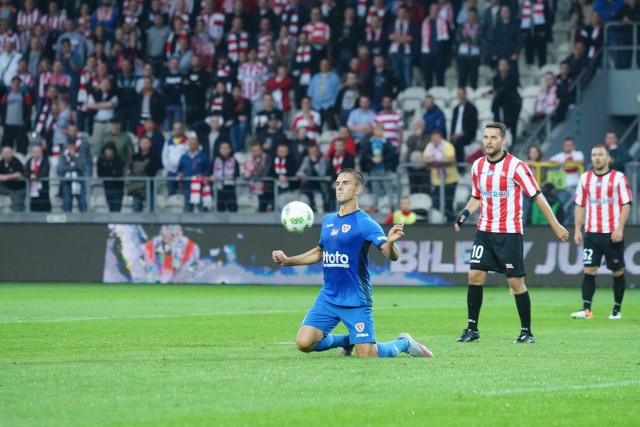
(220, 45)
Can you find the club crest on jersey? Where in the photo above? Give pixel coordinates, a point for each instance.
(334, 232)
(345, 228)
(360, 327)
(491, 172)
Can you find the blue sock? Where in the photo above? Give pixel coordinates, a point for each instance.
(332, 341)
(392, 348)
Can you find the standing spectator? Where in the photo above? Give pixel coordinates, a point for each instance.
(578, 60)
(440, 157)
(381, 82)
(120, 139)
(412, 152)
(183, 54)
(28, 17)
(11, 179)
(292, 18)
(60, 79)
(193, 169)
(566, 92)
(127, 97)
(265, 12)
(144, 164)
(345, 39)
(15, 116)
(77, 42)
(347, 99)
(570, 159)
(237, 41)
(251, 75)
(37, 172)
(83, 147)
(607, 9)
(53, 23)
(9, 59)
(336, 162)
(299, 145)
(223, 174)
(88, 81)
(174, 148)
(469, 48)
(71, 64)
(433, 117)
(285, 47)
(262, 117)
(435, 36)
(150, 105)
(592, 35)
(618, 154)
(271, 137)
(401, 55)
(629, 15)
(378, 159)
(225, 71)
(172, 89)
(376, 39)
(157, 140)
(360, 121)
(507, 102)
(62, 121)
(302, 67)
(319, 34)
(195, 85)
(71, 166)
(393, 125)
(33, 56)
(106, 16)
(156, 37)
(241, 120)
(280, 86)
(110, 165)
(349, 143)
(314, 166)
(254, 170)
(464, 124)
(489, 20)
(103, 104)
(203, 45)
(307, 118)
(27, 81)
(506, 42)
(547, 100)
(533, 24)
(323, 91)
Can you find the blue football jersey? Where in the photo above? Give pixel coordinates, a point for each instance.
(345, 245)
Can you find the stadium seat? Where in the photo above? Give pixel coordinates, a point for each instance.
(436, 217)
(175, 203)
(553, 68)
(98, 204)
(420, 201)
(5, 204)
(411, 105)
(530, 91)
(285, 198)
(528, 106)
(441, 95)
(365, 201)
(461, 197)
(247, 203)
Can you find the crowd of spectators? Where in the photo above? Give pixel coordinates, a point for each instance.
(180, 86)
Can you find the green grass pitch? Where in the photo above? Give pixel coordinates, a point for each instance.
(142, 355)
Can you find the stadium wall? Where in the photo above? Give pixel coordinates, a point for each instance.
(241, 254)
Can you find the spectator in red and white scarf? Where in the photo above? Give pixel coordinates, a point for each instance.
(35, 170)
(251, 75)
(28, 17)
(254, 170)
(547, 100)
(434, 41)
(302, 67)
(223, 174)
(53, 21)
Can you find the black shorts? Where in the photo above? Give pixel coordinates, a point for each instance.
(501, 252)
(598, 245)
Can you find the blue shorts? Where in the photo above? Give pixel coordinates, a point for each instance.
(358, 320)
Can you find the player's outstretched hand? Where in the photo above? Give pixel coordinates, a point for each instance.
(278, 257)
(577, 238)
(461, 219)
(561, 233)
(396, 232)
(617, 236)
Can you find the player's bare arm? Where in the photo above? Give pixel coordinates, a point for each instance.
(471, 207)
(389, 249)
(561, 233)
(310, 257)
(618, 234)
(578, 222)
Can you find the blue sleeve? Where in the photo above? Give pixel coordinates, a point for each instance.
(372, 232)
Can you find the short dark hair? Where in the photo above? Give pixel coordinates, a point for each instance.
(360, 180)
(497, 125)
(604, 147)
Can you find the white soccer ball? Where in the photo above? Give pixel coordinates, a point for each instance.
(297, 217)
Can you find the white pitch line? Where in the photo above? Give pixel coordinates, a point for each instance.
(155, 316)
(284, 342)
(561, 388)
